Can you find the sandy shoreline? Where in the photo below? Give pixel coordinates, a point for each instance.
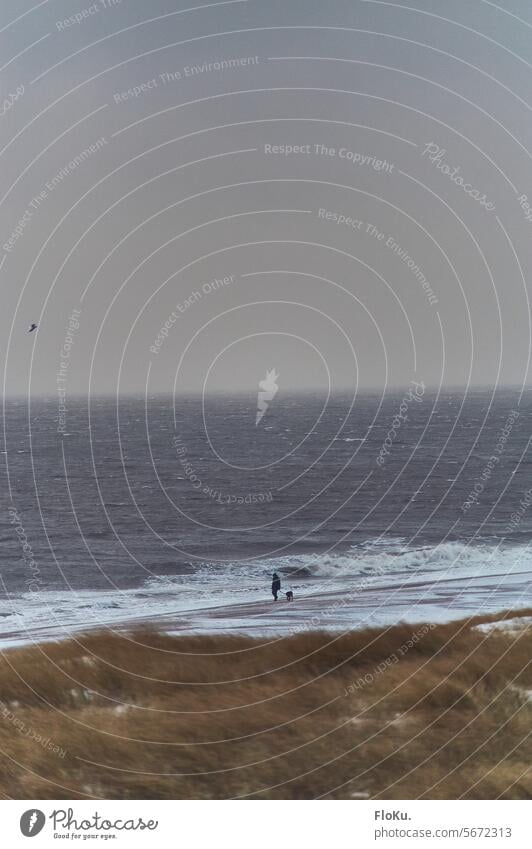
(420, 601)
(340, 606)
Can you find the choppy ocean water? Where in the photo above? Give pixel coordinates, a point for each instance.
(168, 506)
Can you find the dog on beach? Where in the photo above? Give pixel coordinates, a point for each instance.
(289, 595)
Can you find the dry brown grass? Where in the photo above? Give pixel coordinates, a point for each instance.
(146, 715)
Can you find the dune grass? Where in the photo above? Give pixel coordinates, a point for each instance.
(405, 712)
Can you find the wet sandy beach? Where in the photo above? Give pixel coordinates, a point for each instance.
(338, 605)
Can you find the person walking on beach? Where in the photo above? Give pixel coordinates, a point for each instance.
(276, 585)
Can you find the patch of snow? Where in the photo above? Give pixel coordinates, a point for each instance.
(523, 692)
(512, 625)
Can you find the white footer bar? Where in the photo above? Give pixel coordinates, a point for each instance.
(266, 824)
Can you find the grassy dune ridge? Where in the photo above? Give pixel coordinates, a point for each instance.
(377, 713)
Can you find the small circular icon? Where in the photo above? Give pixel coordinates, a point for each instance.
(32, 822)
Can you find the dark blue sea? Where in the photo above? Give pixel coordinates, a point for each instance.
(166, 506)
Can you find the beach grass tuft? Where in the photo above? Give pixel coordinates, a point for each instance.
(406, 712)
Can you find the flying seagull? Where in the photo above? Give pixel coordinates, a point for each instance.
(32, 327)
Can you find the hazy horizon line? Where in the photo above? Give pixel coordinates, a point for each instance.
(291, 390)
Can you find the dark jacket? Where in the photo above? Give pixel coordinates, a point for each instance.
(276, 583)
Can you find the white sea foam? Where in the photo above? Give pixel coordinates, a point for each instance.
(387, 579)
(386, 557)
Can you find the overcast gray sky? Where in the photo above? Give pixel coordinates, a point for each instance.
(336, 190)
